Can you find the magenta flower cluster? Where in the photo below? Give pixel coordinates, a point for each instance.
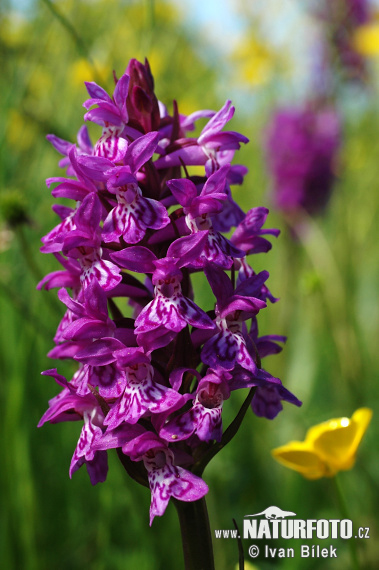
(154, 368)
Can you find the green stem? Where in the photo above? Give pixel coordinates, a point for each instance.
(196, 535)
(151, 14)
(345, 514)
(241, 558)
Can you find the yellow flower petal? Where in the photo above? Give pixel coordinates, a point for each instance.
(366, 40)
(336, 441)
(298, 455)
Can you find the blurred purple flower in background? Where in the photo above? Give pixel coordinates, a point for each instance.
(339, 21)
(301, 146)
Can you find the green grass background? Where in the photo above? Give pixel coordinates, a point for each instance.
(328, 285)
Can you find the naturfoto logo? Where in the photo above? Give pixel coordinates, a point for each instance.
(277, 524)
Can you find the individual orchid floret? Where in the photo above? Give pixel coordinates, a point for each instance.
(95, 461)
(247, 235)
(68, 406)
(231, 214)
(267, 401)
(91, 320)
(84, 244)
(269, 391)
(215, 142)
(198, 210)
(97, 366)
(112, 114)
(53, 241)
(73, 188)
(170, 309)
(166, 479)
(109, 110)
(63, 147)
(68, 277)
(133, 214)
(109, 379)
(213, 148)
(204, 418)
(142, 395)
(229, 347)
(77, 190)
(91, 314)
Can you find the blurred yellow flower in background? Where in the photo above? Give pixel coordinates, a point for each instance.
(82, 71)
(328, 447)
(254, 61)
(366, 39)
(20, 132)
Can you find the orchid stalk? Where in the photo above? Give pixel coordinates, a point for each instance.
(153, 385)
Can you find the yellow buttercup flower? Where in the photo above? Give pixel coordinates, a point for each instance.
(366, 40)
(328, 447)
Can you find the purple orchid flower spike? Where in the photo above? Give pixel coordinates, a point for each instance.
(155, 371)
(166, 479)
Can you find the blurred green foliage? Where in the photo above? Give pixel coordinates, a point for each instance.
(327, 284)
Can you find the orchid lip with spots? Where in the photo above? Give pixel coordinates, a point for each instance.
(153, 380)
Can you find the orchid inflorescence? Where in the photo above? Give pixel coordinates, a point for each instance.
(152, 385)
